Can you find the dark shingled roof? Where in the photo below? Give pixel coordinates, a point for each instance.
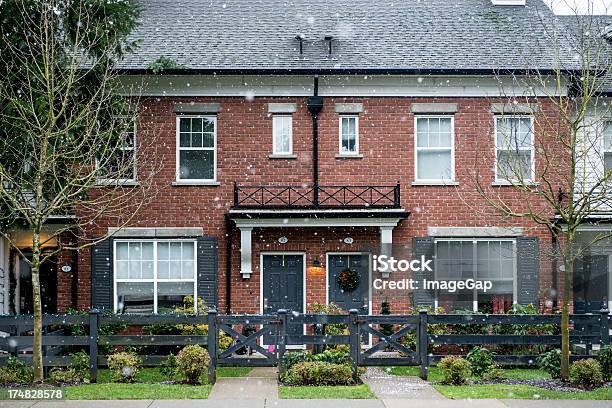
(370, 35)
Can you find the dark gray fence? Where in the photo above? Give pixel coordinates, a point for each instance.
(262, 340)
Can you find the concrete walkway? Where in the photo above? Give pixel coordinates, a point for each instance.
(261, 383)
(321, 403)
(387, 386)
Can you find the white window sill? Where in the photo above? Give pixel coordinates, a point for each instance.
(349, 156)
(435, 183)
(117, 183)
(195, 183)
(501, 183)
(283, 156)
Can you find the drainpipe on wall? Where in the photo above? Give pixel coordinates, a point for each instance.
(315, 104)
(555, 293)
(228, 265)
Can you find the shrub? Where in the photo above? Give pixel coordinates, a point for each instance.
(455, 370)
(191, 361)
(318, 373)
(169, 368)
(586, 373)
(605, 360)
(551, 362)
(293, 357)
(494, 373)
(15, 371)
(124, 366)
(77, 371)
(481, 361)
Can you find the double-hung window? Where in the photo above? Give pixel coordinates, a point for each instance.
(153, 276)
(479, 259)
(349, 135)
(119, 165)
(607, 146)
(282, 134)
(514, 148)
(434, 155)
(197, 148)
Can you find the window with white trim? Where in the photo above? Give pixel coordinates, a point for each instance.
(121, 165)
(153, 276)
(349, 135)
(197, 148)
(478, 259)
(434, 155)
(607, 146)
(514, 148)
(282, 134)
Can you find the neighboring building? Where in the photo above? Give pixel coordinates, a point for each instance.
(302, 138)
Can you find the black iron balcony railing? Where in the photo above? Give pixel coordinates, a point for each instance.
(288, 197)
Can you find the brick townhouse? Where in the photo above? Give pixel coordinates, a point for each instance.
(300, 139)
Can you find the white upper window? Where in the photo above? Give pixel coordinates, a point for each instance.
(349, 135)
(282, 134)
(607, 146)
(434, 153)
(514, 148)
(122, 165)
(196, 148)
(154, 276)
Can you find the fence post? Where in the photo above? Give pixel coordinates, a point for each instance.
(354, 343)
(422, 344)
(282, 339)
(604, 325)
(213, 332)
(94, 317)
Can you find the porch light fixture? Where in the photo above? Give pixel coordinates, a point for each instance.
(316, 268)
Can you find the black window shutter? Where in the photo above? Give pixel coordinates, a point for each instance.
(528, 270)
(208, 250)
(102, 275)
(423, 246)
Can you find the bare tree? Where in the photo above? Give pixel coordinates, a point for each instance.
(550, 133)
(67, 143)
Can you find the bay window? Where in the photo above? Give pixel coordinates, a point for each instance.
(480, 259)
(153, 276)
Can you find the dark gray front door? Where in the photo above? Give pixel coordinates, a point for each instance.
(283, 285)
(355, 299)
(590, 283)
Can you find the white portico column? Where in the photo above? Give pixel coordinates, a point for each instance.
(245, 252)
(386, 244)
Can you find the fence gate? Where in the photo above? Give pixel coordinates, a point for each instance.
(401, 326)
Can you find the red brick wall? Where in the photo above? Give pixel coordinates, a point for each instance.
(244, 136)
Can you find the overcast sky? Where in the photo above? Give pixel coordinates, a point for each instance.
(569, 6)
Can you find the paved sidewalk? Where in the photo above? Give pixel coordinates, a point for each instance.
(387, 386)
(321, 403)
(260, 384)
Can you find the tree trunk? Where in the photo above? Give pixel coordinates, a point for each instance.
(37, 360)
(565, 343)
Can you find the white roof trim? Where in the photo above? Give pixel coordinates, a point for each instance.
(316, 222)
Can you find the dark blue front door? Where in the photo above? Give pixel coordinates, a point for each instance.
(355, 299)
(590, 283)
(283, 285)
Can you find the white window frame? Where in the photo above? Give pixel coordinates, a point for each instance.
(275, 135)
(418, 149)
(212, 118)
(356, 152)
(134, 177)
(474, 243)
(606, 123)
(155, 280)
(499, 179)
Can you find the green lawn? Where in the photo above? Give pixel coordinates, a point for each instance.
(506, 391)
(147, 386)
(103, 391)
(350, 391)
(434, 373)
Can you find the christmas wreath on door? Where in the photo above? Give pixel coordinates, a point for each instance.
(348, 280)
